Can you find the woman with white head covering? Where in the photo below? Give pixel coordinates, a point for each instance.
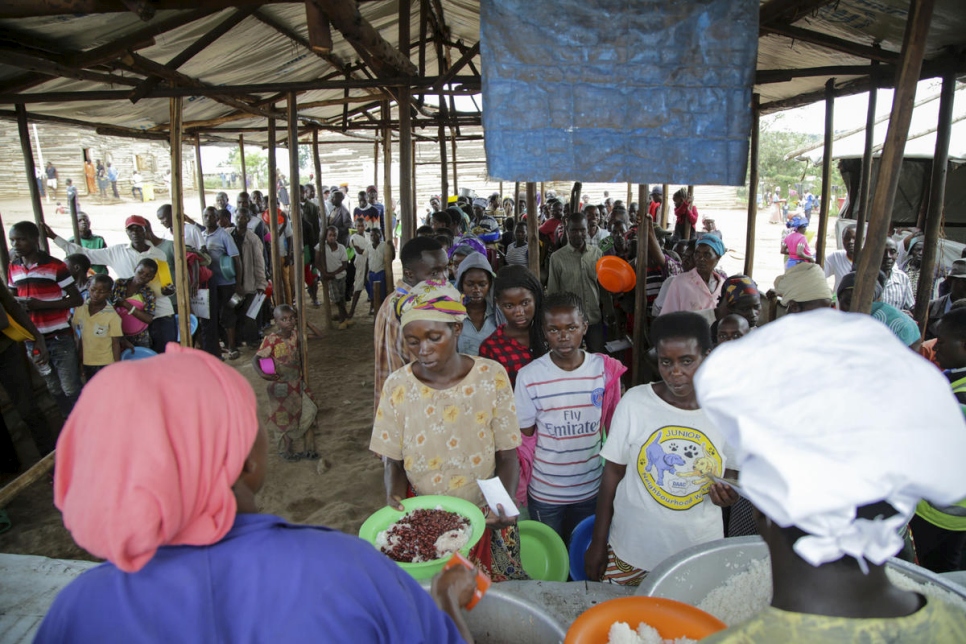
(836, 463)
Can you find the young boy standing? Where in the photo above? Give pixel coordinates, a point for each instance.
(566, 397)
(99, 326)
(293, 410)
(360, 244)
(334, 261)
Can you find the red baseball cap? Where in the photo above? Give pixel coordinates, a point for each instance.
(135, 220)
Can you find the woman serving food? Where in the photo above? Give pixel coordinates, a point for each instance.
(448, 419)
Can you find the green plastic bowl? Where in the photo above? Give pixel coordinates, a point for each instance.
(386, 516)
(544, 554)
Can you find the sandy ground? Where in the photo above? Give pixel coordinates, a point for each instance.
(346, 486)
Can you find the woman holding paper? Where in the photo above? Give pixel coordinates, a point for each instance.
(447, 420)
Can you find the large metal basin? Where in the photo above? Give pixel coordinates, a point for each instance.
(691, 574)
(504, 618)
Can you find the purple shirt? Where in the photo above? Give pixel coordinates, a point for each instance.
(266, 581)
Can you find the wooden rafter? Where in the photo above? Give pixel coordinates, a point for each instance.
(51, 69)
(358, 32)
(831, 42)
(788, 11)
(330, 58)
(458, 66)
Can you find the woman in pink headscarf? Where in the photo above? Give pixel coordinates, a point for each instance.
(164, 488)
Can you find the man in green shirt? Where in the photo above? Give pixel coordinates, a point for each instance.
(90, 240)
(573, 268)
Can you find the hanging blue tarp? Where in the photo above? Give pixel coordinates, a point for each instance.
(617, 91)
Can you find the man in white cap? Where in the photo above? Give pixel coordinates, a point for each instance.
(835, 469)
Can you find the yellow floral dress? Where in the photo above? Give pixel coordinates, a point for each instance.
(448, 438)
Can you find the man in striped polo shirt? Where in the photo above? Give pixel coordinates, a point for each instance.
(45, 289)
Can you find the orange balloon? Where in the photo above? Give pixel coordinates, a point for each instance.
(615, 274)
(672, 619)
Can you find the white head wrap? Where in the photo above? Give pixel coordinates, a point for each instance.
(828, 412)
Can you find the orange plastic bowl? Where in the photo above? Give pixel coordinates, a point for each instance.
(615, 274)
(671, 618)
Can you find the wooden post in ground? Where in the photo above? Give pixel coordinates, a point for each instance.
(517, 213)
(630, 196)
(937, 197)
(317, 162)
(456, 182)
(182, 282)
(298, 243)
(4, 252)
(72, 207)
(533, 229)
(387, 181)
(375, 163)
(31, 171)
(639, 332)
(200, 174)
(241, 151)
(880, 214)
(415, 199)
(278, 277)
(664, 205)
(823, 208)
(405, 166)
(865, 179)
(752, 187)
(443, 171)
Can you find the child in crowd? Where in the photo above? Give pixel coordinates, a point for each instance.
(99, 326)
(380, 255)
(518, 253)
(293, 410)
(567, 398)
(360, 243)
(79, 267)
(731, 327)
(333, 259)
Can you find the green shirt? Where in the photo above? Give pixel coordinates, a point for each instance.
(94, 241)
(577, 272)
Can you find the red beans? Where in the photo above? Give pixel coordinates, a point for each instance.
(417, 533)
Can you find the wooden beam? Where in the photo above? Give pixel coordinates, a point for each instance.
(831, 42)
(533, 230)
(880, 219)
(937, 201)
(865, 179)
(4, 252)
(345, 17)
(750, 231)
(457, 66)
(193, 50)
(56, 70)
(182, 281)
(788, 11)
(823, 210)
(241, 152)
(36, 472)
(298, 245)
(200, 175)
(294, 36)
(406, 212)
(278, 277)
(31, 171)
(768, 76)
(139, 39)
(664, 205)
(36, 8)
(387, 177)
(639, 332)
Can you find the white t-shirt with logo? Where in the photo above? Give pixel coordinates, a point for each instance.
(565, 406)
(661, 506)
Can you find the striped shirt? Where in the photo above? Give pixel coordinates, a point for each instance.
(565, 406)
(46, 280)
(518, 255)
(898, 291)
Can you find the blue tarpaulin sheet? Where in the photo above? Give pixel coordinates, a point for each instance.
(618, 91)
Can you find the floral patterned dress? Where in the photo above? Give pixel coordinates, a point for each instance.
(448, 438)
(286, 393)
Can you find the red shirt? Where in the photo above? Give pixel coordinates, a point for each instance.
(507, 351)
(652, 209)
(46, 281)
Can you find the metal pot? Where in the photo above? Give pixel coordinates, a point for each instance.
(236, 300)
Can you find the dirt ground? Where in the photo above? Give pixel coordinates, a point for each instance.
(339, 491)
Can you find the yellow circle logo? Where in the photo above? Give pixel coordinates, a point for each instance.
(673, 465)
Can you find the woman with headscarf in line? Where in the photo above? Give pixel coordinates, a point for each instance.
(446, 420)
(172, 508)
(698, 289)
(740, 296)
(474, 280)
(795, 244)
(516, 343)
(835, 472)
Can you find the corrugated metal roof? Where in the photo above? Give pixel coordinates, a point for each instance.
(252, 52)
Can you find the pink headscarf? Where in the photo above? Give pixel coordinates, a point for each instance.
(150, 453)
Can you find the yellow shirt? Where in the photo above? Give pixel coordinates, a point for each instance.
(97, 332)
(934, 623)
(447, 438)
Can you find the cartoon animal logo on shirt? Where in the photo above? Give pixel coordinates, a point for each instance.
(674, 464)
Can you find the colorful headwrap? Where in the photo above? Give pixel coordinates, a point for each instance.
(736, 287)
(433, 302)
(714, 243)
(902, 325)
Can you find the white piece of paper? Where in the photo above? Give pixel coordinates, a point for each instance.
(618, 345)
(256, 305)
(495, 493)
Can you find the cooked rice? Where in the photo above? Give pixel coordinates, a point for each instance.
(621, 633)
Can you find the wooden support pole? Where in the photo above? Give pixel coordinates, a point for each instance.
(630, 196)
(75, 226)
(181, 277)
(4, 251)
(823, 208)
(317, 162)
(937, 197)
(405, 167)
(752, 187)
(517, 211)
(31, 171)
(543, 194)
(375, 163)
(387, 183)
(36, 472)
(880, 215)
(241, 150)
(456, 180)
(865, 179)
(639, 332)
(200, 178)
(443, 172)
(664, 205)
(298, 245)
(533, 229)
(415, 192)
(278, 276)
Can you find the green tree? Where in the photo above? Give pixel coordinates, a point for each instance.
(789, 174)
(256, 165)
